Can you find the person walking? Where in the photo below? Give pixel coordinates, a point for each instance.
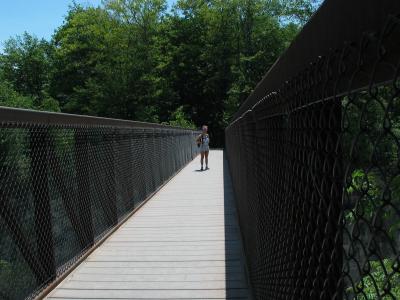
(203, 141)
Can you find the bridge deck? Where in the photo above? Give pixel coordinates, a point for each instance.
(183, 244)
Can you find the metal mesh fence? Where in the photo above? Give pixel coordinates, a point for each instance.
(64, 184)
(316, 172)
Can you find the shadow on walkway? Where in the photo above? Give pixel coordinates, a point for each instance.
(237, 286)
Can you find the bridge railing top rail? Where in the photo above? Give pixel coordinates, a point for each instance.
(333, 30)
(17, 115)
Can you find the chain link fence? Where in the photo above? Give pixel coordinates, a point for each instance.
(66, 181)
(314, 159)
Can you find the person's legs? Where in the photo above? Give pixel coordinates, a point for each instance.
(206, 155)
(202, 158)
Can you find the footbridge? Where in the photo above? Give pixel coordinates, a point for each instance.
(303, 203)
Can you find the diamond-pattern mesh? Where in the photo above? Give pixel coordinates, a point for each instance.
(316, 172)
(63, 187)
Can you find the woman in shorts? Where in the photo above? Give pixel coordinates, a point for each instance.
(203, 141)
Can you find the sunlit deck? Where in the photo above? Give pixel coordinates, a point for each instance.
(184, 243)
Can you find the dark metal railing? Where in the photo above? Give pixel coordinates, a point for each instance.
(67, 181)
(314, 157)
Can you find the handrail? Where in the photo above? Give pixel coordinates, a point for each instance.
(8, 114)
(335, 24)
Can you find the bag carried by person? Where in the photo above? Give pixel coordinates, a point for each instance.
(199, 138)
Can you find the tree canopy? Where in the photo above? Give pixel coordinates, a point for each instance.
(135, 59)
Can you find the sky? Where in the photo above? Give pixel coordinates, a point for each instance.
(37, 17)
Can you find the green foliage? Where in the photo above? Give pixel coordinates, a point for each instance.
(365, 185)
(133, 59)
(370, 133)
(369, 190)
(15, 273)
(25, 69)
(81, 48)
(10, 98)
(382, 282)
(26, 65)
(49, 104)
(180, 119)
(374, 149)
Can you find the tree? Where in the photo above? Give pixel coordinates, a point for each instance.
(26, 65)
(82, 62)
(180, 119)
(132, 59)
(10, 98)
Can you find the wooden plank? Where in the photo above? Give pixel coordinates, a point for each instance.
(183, 244)
(140, 298)
(161, 285)
(157, 246)
(145, 294)
(84, 277)
(162, 258)
(165, 252)
(160, 271)
(161, 264)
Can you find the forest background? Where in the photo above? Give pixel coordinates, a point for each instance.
(190, 64)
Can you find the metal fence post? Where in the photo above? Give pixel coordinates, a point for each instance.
(113, 188)
(39, 146)
(82, 176)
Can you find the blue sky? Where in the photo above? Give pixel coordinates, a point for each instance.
(38, 17)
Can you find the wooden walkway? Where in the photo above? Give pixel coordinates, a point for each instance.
(183, 244)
